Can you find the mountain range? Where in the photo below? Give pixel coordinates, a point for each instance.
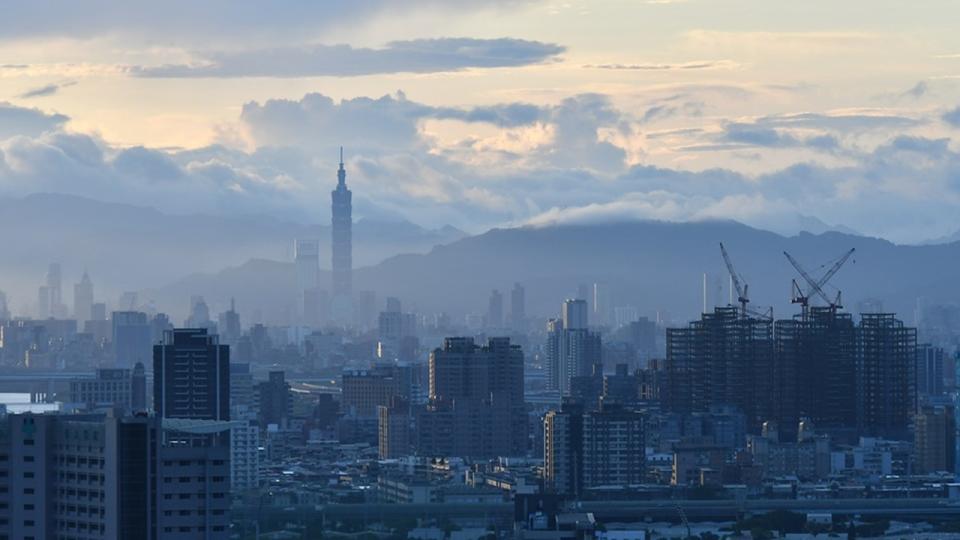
(657, 267)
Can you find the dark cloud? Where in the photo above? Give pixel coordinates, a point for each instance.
(952, 117)
(46, 90)
(28, 122)
(414, 56)
(917, 91)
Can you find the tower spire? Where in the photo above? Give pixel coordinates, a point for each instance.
(341, 172)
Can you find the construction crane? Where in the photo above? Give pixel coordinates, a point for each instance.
(816, 286)
(742, 289)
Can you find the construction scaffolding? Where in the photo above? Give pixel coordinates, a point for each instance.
(725, 358)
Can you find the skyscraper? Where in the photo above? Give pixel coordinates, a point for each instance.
(342, 247)
(191, 376)
(83, 300)
(572, 350)
(50, 296)
(4, 309)
(306, 258)
(495, 310)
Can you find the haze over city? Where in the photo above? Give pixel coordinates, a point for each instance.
(479, 269)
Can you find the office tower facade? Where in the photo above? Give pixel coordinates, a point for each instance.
(495, 310)
(613, 447)
(518, 308)
(571, 350)
(725, 358)
(4, 307)
(815, 368)
(131, 336)
(191, 376)
(275, 401)
(935, 438)
(83, 300)
(342, 244)
(476, 401)
(886, 375)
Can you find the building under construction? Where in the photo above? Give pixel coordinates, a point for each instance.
(886, 377)
(725, 358)
(816, 371)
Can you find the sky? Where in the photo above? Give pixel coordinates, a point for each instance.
(480, 114)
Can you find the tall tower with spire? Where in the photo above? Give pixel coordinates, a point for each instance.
(342, 245)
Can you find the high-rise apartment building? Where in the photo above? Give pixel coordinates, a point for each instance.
(476, 406)
(191, 376)
(95, 476)
(935, 436)
(572, 350)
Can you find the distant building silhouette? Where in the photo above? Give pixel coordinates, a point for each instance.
(342, 246)
(572, 350)
(131, 338)
(83, 300)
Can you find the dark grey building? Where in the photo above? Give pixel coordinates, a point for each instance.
(191, 376)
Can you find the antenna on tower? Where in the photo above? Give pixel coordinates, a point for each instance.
(341, 157)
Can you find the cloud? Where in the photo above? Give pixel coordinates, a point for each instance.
(16, 121)
(414, 56)
(210, 21)
(952, 117)
(917, 91)
(684, 66)
(511, 163)
(46, 90)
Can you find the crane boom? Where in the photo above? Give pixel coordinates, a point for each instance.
(735, 278)
(817, 285)
(814, 286)
(833, 270)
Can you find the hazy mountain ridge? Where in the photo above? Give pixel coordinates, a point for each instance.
(127, 247)
(656, 266)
